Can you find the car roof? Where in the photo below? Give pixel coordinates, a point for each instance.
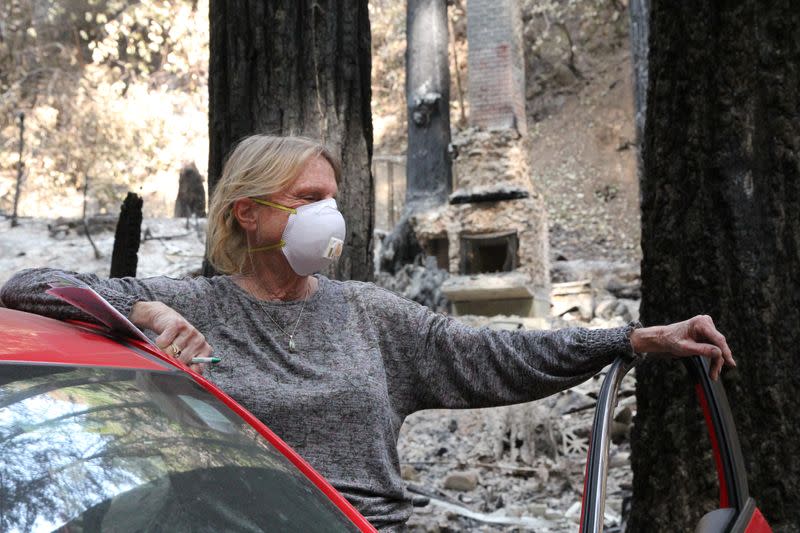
(29, 338)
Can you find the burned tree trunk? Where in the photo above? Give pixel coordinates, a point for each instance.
(303, 67)
(428, 169)
(721, 235)
(429, 178)
(191, 198)
(127, 237)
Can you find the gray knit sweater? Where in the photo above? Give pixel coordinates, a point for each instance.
(366, 358)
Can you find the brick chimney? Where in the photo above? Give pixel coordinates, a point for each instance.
(496, 65)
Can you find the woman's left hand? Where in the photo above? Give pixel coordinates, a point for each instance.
(696, 336)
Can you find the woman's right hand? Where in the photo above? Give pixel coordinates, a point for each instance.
(174, 332)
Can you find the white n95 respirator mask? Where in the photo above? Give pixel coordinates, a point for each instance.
(313, 238)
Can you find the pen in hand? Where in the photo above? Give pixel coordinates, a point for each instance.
(213, 360)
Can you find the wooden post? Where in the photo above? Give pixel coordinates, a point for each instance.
(97, 254)
(20, 169)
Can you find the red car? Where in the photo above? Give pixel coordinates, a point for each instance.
(98, 434)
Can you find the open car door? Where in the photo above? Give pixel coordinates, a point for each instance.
(737, 512)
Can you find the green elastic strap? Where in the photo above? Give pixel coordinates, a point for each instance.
(276, 206)
(280, 244)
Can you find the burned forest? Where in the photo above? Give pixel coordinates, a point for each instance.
(520, 168)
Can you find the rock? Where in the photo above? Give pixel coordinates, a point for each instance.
(191, 198)
(542, 473)
(571, 296)
(621, 310)
(621, 279)
(605, 307)
(619, 460)
(609, 307)
(625, 415)
(552, 514)
(538, 509)
(633, 307)
(621, 426)
(570, 401)
(419, 282)
(462, 481)
(620, 432)
(574, 510)
(409, 473)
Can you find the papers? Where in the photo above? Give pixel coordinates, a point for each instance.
(82, 296)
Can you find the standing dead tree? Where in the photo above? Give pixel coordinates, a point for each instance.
(721, 236)
(429, 175)
(302, 67)
(127, 237)
(191, 198)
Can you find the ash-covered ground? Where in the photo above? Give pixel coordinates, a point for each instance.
(516, 468)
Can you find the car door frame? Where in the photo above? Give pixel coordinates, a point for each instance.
(731, 473)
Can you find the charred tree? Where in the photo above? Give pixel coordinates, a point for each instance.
(428, 169)
(302, 67)
(721, 236)
(191, 198)
(127, 238)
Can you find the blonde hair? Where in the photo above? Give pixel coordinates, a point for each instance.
(259, 165)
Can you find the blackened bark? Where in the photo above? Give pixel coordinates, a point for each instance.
(721, 236)
(302, 67)
(428, 171)
(127, 238)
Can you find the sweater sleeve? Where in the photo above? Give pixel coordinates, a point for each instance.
(25, 291)
(434, 361)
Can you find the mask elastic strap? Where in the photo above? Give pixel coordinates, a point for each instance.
(268, 247)
(276, 206)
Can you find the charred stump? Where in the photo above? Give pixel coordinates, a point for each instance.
(191, 198)
(125, 257)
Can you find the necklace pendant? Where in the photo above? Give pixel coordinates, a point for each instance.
(292, 346)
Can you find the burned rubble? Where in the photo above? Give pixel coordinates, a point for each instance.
(518, 467)
(521, 467)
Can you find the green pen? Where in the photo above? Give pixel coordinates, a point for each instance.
(213, 360)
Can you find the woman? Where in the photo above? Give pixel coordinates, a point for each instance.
(334, 367)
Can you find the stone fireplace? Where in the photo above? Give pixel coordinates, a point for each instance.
(490, 232)
(493, 232)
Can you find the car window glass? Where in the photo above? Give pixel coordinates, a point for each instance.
(98, 449)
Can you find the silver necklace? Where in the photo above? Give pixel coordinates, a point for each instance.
(292, 345)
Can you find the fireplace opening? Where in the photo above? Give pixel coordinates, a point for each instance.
(439, 248)
(488, 252)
